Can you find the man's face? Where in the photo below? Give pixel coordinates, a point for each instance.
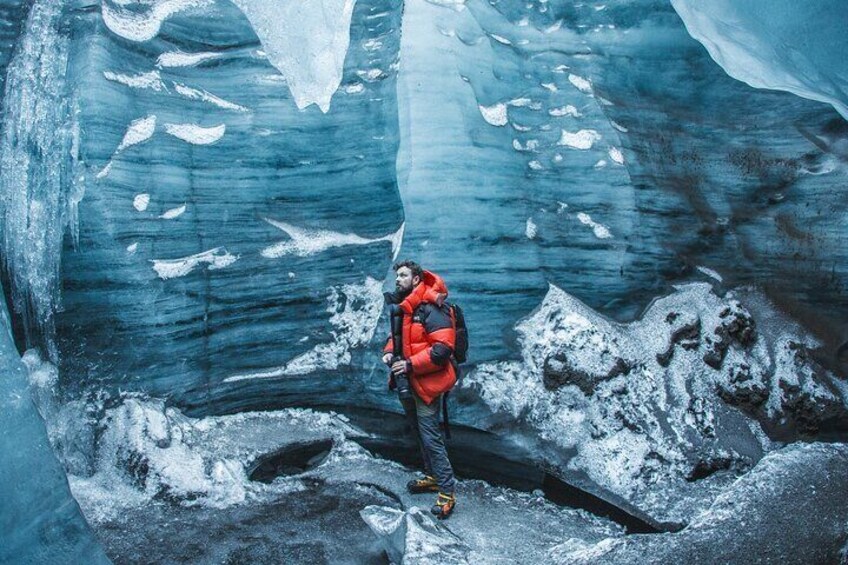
(404, 281)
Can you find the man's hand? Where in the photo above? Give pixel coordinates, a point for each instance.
(400, 367)
(387, 358)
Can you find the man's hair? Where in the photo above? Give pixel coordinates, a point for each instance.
(416, 269)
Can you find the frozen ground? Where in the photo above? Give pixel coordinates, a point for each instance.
(296, 486)
(167, 488)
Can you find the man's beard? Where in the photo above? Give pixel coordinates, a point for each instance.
(402, 293)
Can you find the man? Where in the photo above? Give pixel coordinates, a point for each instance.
(428, 338)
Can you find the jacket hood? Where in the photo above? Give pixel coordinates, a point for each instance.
(431, 289)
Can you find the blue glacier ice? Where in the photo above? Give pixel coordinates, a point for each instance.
(41, 521)
(638, 203)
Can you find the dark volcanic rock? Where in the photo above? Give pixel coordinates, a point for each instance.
(737, 325)
(742, 389)
(687, 335)
(558, 372)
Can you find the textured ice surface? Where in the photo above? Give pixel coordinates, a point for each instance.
(152, 463)
(654, 410)
(795, 493)
(776, 45)
(139, 107)
(690, 171)
(306, 41)
(39, 170)
(40, 520)
(414, 537)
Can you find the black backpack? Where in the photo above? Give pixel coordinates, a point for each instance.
(460, 350)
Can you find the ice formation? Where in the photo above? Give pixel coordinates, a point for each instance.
(775, 45)
(216, 258)
(306, 41)
(354, 309)
(305, 242)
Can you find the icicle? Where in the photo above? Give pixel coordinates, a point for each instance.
(38, 191)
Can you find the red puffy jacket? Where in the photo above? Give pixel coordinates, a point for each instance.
(429, 335)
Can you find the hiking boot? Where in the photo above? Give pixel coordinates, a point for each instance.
(427, 484)
(444, 506)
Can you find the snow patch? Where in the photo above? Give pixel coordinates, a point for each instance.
(180, 59)
(305, 242)
(195, 134)
(174, 213)
(355, 310)
(141, 201)
(150, 80)
(143, 26)
(567, 110)
(616, 156)
(580, 83)
(216, 258)
(583, 139)
(196, 94)
(600, 230)
(530, 230)
(710, 273)
(495, 115)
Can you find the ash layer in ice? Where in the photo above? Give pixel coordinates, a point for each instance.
(666, 410)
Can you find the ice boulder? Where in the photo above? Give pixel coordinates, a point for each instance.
(413, 537)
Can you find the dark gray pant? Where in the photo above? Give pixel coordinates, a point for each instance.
(431, 441)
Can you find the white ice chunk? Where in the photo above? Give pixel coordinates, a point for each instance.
(216, 258)
(132, 248)
(583, 139)
(174, 213)
(150, 79)
(181, 59)
(616, 155)
(305, 242)
(143, 26)
(580, 83)
(567, 110)
(141, 201)
(139, 131)
(197, 94)
(413, 537)
(530, 230)
(195, 134)
(306, 41)
(600, 230)
(495, 114)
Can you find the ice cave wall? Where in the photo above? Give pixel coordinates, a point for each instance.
(232, 238)
(223, 231)
(40, 520)
(188, 215)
